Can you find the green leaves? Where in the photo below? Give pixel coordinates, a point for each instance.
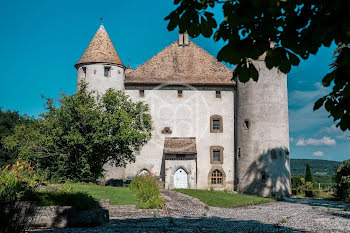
(74, 140)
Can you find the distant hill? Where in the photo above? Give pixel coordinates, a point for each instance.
(318, 167)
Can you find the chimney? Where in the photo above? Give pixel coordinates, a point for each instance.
(183, 39)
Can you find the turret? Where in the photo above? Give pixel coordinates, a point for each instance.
(100, 65)
(262, 129)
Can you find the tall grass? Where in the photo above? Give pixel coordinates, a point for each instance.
(148, 195)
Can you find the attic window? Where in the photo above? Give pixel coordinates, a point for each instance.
(218, 94)
(179, 93)
(84, 71)
(142, 92)
(107, 71)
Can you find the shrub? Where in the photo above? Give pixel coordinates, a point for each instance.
(297, 183)
(14, 214)
(147, 191)
(342, 181)
(308, 174)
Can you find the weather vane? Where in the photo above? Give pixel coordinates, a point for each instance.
(101, 20)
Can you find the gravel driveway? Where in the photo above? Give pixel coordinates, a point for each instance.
(187, 214)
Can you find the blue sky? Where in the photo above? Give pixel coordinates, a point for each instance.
(41, 41)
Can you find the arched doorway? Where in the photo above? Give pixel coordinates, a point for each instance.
(180, 179)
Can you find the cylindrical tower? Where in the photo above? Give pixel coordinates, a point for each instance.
(262, 129)
(100, 66)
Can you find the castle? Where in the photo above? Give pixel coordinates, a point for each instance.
(208, 130)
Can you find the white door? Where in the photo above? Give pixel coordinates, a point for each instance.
(180, 179)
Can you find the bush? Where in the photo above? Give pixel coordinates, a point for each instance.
(147, 191)
(297, 183)
(342, 181)
(14, 214)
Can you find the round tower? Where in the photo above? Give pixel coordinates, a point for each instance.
(100, 65)
(262, 134)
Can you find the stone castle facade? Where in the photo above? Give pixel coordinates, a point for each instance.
(208, 130)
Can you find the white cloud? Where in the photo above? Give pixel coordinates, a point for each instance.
(318, 153)
(325, 141)
(335, 132)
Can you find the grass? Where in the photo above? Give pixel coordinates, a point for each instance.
(224, 199)
(116, 195)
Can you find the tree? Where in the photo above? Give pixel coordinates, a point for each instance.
(296, 28)
(308, 174)
(72, 141)
(8, 121)
(342, 181)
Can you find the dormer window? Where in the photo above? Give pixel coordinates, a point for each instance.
(218, 94)
(179, 93)
(84, 71)
(142, 92)
(107, 71)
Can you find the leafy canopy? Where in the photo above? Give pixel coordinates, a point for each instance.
(297, 28)
(8, 121)
(73, 140)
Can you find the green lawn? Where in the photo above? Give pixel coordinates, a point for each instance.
(224, 199)
(116, 195)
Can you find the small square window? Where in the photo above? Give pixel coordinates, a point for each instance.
(142, 92)
(107, 71)
(179, 93)
(216, 124)
(216, 155)
(218, 94)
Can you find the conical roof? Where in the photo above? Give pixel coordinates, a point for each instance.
(100, 50)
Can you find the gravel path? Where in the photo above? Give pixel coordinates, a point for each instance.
(186, 214)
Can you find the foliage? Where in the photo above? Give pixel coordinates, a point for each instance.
(319, 167)
(72, 141)
(308, 174)
(224, 199)
(147, 191)
(116, 195)
(296, 28)
(8, 121)
(342, 181)
(26, 173)
(297, 183)
(14, 214)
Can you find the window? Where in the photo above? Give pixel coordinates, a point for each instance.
(216, 124)
(218, 94)
(179, 93)
(142, 92)
(216, 177)
(84, 71)
(107, 71)
(216, 154)
(263, 175)
(246, 124)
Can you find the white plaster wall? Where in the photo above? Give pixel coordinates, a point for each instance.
(265, 105)
(188, 116)
(96, 79)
